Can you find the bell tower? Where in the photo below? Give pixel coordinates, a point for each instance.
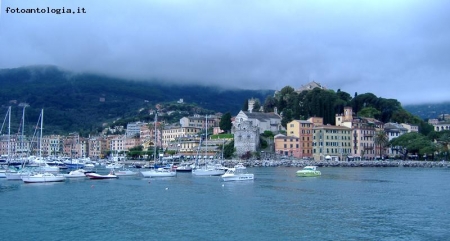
(348, 114)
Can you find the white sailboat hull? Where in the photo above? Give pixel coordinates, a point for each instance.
(43, 177)
(207, 172)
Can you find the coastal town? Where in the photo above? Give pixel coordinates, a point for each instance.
(352, 138)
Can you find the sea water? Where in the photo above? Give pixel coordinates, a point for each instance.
(342, 204)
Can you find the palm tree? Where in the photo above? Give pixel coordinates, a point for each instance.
(381, 140)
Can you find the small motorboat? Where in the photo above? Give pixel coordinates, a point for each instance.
(237, 174)
(94, 175)
(309, 171)
(75, 173)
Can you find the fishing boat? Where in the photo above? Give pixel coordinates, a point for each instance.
(237, 173)
(308, 171)
(43, 177)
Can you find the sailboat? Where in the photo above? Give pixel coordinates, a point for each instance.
(159, 172)
(206, 170)
(42, 176)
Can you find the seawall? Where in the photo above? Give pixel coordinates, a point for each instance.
(302, 163)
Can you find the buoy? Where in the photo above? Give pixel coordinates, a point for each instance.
(223, 185)
(167, 188)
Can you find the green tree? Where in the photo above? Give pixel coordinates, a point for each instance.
(245, 106)
(228, 150)
(225, 122)
(369, 112)
(257, 106)
(269, 104)
(412, 142)
(287, 117)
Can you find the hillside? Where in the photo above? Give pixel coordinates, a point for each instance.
(82, 102)
(429, 111)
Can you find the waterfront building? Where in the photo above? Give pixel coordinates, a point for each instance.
(394, 130)
(173, 133)
(51, 145)
(97, 147)
(303, 131)
(263, 121)
(364, 129)
(332, 142)
(287, 145)
(246, 137)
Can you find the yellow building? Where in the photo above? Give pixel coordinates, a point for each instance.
(331, 142)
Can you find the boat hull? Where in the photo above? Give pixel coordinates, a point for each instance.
(308, 174)
(43, 178)
(207, 172)
(153, 173)
(125, 173)
(238, 177)
(98, 176)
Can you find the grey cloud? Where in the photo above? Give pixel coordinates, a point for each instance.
(390, 48)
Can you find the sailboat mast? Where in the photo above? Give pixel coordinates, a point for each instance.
(9, 133)
(40, 136)
(154, 146)
(23, 127)
(206, 136)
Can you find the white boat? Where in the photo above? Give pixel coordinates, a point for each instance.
(207, 171)
(76, 173)
(308, 171)
(93, 175)
(184, 167)
(125, 172)
(114, 166)
(89, 165)
(240, 166)
(17, 175)
(43, 177)
(160, 172)
(240, 174)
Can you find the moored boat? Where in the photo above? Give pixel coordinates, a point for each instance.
(308, 171)
(125, 172)
(43, 177)
(237, 174)
(159, 172)
(93, 175)
(75, 173)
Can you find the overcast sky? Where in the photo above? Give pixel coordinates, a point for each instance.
(393, 49)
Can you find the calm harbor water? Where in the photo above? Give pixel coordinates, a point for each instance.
(342, 204)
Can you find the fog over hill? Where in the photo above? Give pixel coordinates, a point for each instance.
(83, 101)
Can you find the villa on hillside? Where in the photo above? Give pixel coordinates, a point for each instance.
(310, 86)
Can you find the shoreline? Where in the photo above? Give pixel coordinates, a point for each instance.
(302, 163)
